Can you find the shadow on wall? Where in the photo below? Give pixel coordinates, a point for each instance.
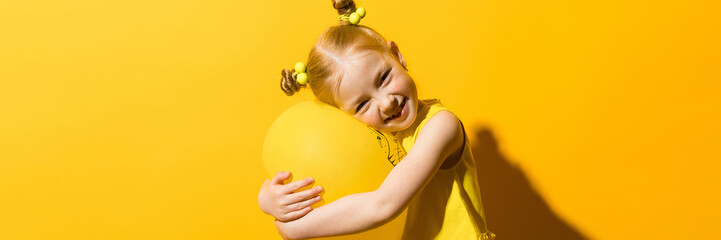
(514, 210)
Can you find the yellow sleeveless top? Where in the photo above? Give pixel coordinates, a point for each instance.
(449, 207)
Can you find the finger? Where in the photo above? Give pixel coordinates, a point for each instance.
(295, 215)
(280, 177)
(292, 187)
(304, 204)
(303, 195)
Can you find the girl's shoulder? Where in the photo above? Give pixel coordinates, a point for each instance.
(436, 128)
(427, 103)
(427, 109)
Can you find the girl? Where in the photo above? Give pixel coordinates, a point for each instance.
(353, 68)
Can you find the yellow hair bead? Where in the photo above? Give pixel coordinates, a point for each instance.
(361, 11)
(302, 78)
(354, 18)
(299, 67)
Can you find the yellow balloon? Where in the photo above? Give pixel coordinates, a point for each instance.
(344, 156)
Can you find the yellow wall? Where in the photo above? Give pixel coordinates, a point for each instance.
(145, 119)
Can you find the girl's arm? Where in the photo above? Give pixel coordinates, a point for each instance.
(440, 137)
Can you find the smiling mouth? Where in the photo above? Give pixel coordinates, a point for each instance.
(399, 113)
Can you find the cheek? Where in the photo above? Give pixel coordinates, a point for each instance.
(397, 86)
(367, 119)
(404, 84)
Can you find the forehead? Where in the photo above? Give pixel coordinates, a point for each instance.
(359, 73)
(358, 65)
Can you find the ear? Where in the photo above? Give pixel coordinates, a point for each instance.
(397, 53)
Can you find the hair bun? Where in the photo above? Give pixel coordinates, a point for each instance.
(344, 6)
(288, 83)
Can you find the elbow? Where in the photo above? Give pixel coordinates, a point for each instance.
(286, 232)
(287, 236)
(386, 211)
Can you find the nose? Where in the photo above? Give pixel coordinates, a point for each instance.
(389, 105)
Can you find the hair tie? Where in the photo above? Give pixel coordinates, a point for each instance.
(355, 17)
(301, 76)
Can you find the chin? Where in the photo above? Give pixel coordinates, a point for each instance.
(411, 116)
(411, 112)
(408, 121)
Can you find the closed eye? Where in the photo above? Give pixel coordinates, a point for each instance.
(384, 77)
(360, 106)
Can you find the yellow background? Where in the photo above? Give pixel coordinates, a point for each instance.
(145, 119)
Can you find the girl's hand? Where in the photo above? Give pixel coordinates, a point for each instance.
(282, 202)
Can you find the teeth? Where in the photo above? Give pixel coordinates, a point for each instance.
(398, 113)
